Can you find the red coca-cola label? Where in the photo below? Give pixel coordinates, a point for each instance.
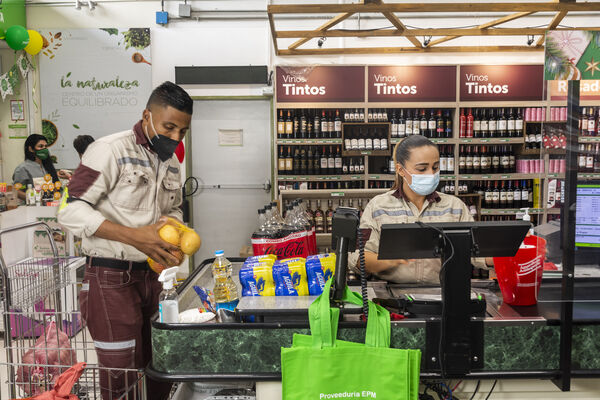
(293, 245)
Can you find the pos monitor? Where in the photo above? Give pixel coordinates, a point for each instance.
(454, 344)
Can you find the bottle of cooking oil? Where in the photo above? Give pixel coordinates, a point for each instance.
(225, 291)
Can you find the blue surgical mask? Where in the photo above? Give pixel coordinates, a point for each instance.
(424, 184)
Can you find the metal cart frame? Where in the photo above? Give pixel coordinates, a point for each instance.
(40, 296)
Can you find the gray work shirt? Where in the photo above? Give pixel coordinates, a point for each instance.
(26, 171)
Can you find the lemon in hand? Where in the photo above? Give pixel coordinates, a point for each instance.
(169, 234)
(190, 242)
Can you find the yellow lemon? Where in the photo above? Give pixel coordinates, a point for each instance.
(190, 242)
(169, 234)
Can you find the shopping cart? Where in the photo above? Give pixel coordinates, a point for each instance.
(43, 330)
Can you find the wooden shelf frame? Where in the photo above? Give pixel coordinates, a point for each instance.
(388, 10)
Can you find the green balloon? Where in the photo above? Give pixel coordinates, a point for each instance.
(17, 37)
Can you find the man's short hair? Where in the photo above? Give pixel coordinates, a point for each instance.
(170, 94)
(82, 142)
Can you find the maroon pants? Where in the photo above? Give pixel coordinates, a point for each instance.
(116, 306)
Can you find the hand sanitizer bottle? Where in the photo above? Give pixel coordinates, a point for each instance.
(168, 306)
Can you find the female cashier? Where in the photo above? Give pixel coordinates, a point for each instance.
(413, 198)
(37, 163)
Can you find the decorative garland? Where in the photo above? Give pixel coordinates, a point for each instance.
(10, 80)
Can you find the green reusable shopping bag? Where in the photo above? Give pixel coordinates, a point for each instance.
(321, 367)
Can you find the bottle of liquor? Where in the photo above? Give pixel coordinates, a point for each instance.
(517, 195)
(485, 124)
(281, 161)
(525, 194)
(409, 123)
(377, 141)
(354, 139)
(324, 163)
(510, 195)
(462, 130)
(592, 122)
(324, 125)
(331, 125)
(280, 126)
(462, 161)
(502, 124)
(329, 216)
(450, 161)
(303, 130)
(330, 162)
(394, 123)
(319, 219)
(317, 162)
(385, 115)
(351, 169)
(448, 125)
(289, 126)
(345, 169)
(476, 160)
(296, 125)
(584, 122)
(369, 140)
(310, 161)
(423, 125)
(416, 123)
(309, 125)
(504, 160)
(337, 126)
(348, 115)
(296, 162)
(361, 166)
(529, 194)
(380, 116)
(589, 158)
(480, 190)
(439, 125)
(512, 160)
(493, 124)
(597, 159)
(495, 160)
(361, 139)
(485, 160)
(519, 123)
(370, 115)
(469, 160)
(496, 196)
(488, 197)
(348, 140)
(443, 160)
(401, 131)
(383, 139)
(470, 124)
(303, 161)
(289, 162)
(317, 125)
(431, 125)
(477, 123)
(338, 160)
(510, 124)
(503, 195)
(359, 115)
(391, 166)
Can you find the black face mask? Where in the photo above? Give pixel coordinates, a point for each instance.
(163, 146)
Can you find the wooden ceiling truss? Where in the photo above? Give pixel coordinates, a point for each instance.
(389, 10)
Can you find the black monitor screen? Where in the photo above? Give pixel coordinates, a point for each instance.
(587, 220)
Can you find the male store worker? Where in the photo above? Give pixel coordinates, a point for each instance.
(413, 198)
(126, 183)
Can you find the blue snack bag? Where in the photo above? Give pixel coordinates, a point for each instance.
(256, 276)
(290, 277)
(319, 269)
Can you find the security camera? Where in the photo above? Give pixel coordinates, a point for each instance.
(320, 42)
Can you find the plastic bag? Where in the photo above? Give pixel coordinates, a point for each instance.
(43, 364)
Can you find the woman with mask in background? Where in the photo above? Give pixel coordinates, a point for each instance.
(413, 198)
(37, 163)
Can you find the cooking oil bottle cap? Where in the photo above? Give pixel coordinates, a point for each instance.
(219, 253)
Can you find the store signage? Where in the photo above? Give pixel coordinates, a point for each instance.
(320, 84)
(572, 55)
(412, 83)
(501, 82)
(588, 90)
(94, 82)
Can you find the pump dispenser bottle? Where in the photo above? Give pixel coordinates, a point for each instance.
(168, 306)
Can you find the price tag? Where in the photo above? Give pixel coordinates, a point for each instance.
(374, 177)
(485, 177)
(505, 140)
(337, 194)
(504, 177)
(485, 140)
(467, 140)
(365, 153)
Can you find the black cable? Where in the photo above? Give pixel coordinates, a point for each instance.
(363, 273)
(476, 390)
(195, 186)
(491, 390)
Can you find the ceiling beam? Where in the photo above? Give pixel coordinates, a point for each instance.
(553, 24)
(487, 25)
(398, 24)
(273, 33)
(430, 8)
(425, 32)
(320, 31)
(396, 50)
